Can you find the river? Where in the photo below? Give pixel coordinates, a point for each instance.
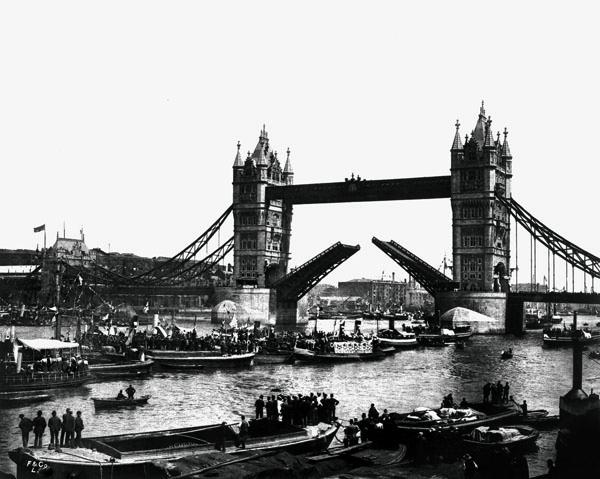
(419, 377)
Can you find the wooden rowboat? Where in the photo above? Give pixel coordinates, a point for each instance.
(121, 369)
(112, 402)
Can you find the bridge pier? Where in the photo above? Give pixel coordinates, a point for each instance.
(252, 304)
(488, 303)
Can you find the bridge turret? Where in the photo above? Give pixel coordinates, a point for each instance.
(288, 172)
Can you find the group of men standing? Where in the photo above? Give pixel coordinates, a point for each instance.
(497, 393)
(69, 427)
(300, 410)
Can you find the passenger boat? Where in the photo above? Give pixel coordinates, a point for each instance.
(485, 440)
(466, 419)
(124, 369)
(200, 359)
(28, 373)
(337, 352)
(397, 339)
(557, 337)
(103, 403)
(135, 455)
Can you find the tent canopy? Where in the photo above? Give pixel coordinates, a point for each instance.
(45, 344)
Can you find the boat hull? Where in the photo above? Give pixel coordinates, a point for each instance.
(121, 370)
(43, 382)
(273, 358)
(523, 443)
(100, 403)
(567, 342)
(30, 463)
(201, 362)
(310, 356)
(399, 343)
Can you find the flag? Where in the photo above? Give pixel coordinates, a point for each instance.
(37, 229)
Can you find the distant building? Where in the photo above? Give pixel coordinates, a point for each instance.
(385, 294)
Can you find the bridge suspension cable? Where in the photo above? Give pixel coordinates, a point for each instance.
(574, 255)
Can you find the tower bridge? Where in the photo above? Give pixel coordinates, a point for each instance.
(480, 193)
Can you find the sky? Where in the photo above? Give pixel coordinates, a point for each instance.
(122, 117)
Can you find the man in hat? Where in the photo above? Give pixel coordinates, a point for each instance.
(25, 425)
(39, 426)
(54, 424)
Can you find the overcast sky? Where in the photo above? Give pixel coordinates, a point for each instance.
(122, 117)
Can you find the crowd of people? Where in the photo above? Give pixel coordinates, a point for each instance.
(298, 410)
(496, 393)
(69, 429)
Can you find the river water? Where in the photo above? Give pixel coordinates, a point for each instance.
(419, 377)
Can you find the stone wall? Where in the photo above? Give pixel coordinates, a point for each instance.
(490, 304)
(255, 302)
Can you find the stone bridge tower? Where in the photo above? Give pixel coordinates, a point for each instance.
(481, 169)
(261, 229)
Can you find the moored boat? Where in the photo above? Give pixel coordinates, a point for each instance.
(135, 455)
(43, 364)
(274, 357)
(20, 399)
(557, 337)
(121, 369)
(200, 359)
(486, 440)
(397, 339)
(103, 403)
(337, 351)
(428, 339)
(462, 419)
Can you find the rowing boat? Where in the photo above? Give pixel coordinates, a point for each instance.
(114, 403)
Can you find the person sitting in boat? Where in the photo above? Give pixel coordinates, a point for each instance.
(463, 404)
(121, 395)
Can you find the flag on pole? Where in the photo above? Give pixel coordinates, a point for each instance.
(37, 229)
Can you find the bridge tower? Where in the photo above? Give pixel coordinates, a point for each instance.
(261, 228)
(481, 169)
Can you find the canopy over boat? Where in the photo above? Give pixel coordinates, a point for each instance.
(47, 344)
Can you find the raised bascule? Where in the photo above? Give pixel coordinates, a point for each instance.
(479, 189)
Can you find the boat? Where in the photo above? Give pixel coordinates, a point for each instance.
(124, 369)
(136, 455)
(507, 354)
(28, 370)
(462, 419)
(274, 357)
(533, 318)
(560, 337)
(484, 440)
(397, 339)
(103, 403)
(430, 339)
(200, 359)
(18, 399)
(594, 355)
(337, 351)
(540, 419)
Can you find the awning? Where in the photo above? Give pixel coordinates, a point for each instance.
(44, 344)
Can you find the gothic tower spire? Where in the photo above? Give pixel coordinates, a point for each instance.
(505, 147)
(238, 163)
(457, 143)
